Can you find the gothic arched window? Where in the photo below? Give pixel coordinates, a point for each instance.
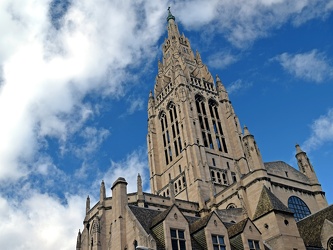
(231, 205)
(217, 126)
(330, 244)
(298, 207)
(170, 132)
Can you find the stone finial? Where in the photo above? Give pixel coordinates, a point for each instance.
(298, 149)
(78, 240)
(218, 78)
(198, 57)
(102, 194)
(87, 204)
(246, 131)
(160, 67)
(139, 184)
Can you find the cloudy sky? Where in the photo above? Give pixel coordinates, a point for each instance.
(74, 80)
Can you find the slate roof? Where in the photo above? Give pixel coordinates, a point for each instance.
(269, 202)
(280, 168)
(237, 228)
(197, 225)
(144, 216)
(160, 217)
(310, 227)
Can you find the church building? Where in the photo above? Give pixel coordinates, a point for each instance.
(210, 188)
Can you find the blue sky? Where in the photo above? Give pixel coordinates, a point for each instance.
(75, 78)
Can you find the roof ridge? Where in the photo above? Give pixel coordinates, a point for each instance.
(269, 202)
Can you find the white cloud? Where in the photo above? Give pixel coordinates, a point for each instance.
(93, 138)
(221, 60)
(48, 72)
(322, 132)
(45, 76)
(238, 86)
(243, 21)
(135, 105)
(134, 164)
(40, 221)
(311, 66)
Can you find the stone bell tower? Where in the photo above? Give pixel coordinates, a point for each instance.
(194, 136)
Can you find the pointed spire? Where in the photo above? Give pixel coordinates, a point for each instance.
(222, 92)
(219, 85)
(87, 204)
(305, 165)
(102, 193)
(151, 99)
(246, 131)
(198, 57)
(218, 79)
(160, 67)
(139, 184)
(170, 16)
(298, 149)
(140, 197)
(78, 241)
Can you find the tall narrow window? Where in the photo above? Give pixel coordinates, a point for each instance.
(224, 145)
(178, 239)
(177, 127)
(166, 156)
(176, 148)
(224, 177)
(203, 108)
(218, 242)
(168, 136)
(216, 113)
(202, 126)
(254, 244)
(180, 144)
(173, 131)
(218, 177)
(162, 125)
(171, 116)
(233, 176)
(172, 135)
(211, 111)
(218, 143)
(204, 139)
(210, 141)
(174, 112)
(215, 127)
(212, 173)
(206, 123)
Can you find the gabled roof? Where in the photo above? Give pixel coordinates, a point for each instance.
(144, 216)
(237, 228)
(269, 202)
(280, 168)
(201, 223)
(161, 217)
(310, 227)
